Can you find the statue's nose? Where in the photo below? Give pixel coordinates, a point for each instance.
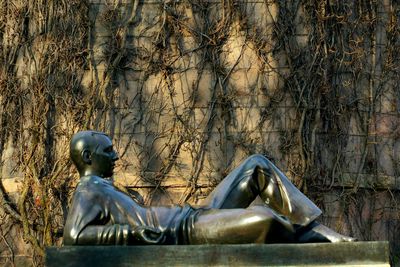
(116, 157)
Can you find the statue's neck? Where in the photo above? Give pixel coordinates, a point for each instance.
(89, 172)
(96, 179)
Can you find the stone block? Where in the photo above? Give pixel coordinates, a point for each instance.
(390, 100)
(243, 87)
(238, 52)
(273, 119)
(355, 126)
(271, 145)
(368, 181)
(206, 87)
(301, 28)
(332, 205)
(385, 156)
(322, 254)
(386, 124)
(269, 87)
(183, 88)
(292, 118)
(353, 153)
(262, 15)
(245, 119)
(147, 21)
(11, 185)
(17, 260)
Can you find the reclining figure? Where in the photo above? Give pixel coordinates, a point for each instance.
(101, 214)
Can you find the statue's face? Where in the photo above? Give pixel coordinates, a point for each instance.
(103, 157)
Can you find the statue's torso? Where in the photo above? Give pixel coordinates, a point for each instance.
(119, 208)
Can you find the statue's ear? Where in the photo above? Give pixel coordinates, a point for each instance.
(86, 156)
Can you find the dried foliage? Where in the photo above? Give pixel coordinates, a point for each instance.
(189, 88)
(43, 54)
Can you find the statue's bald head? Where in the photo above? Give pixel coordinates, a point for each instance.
(92, 151)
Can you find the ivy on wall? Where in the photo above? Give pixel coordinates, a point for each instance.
(188, 88)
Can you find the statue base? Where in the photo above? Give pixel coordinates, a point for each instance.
(316, 254)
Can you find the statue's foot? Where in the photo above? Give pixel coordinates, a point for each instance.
(315, 233)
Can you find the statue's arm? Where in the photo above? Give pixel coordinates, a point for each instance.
(118, 234)
(87, 210)
(115, 234)
(88, 224)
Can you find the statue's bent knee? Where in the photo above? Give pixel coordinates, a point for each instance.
(257, 160)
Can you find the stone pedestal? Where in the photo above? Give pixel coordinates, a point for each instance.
(322, 254)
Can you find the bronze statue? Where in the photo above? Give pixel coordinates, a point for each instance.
(103, 215)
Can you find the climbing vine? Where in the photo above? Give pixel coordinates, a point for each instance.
(187, 89)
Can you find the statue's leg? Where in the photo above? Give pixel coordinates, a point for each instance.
(256, 224)
(257, 176)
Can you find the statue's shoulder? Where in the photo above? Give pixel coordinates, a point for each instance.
(91, 188)
(92, 182)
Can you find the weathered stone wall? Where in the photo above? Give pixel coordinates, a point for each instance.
(188, 89)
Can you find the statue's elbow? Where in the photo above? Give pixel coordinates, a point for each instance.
(69, 237)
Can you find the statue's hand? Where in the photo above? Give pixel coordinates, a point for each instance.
(147, 235)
